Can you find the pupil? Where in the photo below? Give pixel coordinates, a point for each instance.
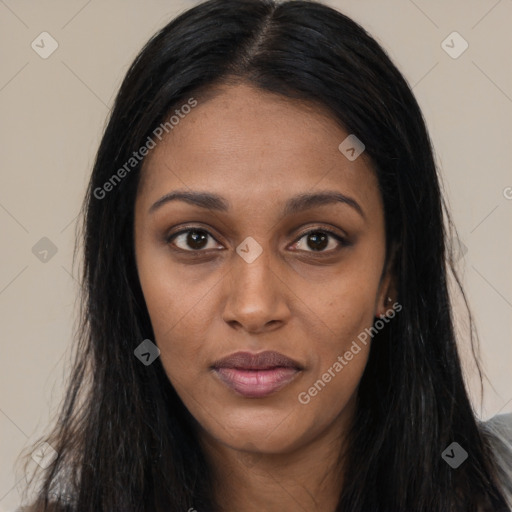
(318, 238)
(196, 239)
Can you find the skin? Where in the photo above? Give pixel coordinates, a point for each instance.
(257, 150)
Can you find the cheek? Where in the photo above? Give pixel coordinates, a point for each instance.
(345, 297)
(180, 318)
(340, 360)
(179, 307)
(341, 355)
(348, 309)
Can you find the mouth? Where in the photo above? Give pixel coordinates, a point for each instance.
(256, 375)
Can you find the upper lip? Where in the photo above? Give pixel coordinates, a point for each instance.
(261, 361)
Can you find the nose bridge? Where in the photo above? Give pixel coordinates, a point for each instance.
(252, 274)
(254, 297)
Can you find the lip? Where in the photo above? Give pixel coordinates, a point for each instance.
(256, 375)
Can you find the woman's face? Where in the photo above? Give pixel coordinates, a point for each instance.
(248, 278)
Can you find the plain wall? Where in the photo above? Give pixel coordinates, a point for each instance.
(53, 113)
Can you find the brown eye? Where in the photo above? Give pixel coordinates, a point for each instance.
(191, 240)
(318, 240)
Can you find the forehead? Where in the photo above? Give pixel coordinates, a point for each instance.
(257, 144)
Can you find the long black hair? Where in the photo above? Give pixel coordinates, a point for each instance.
(124, 440)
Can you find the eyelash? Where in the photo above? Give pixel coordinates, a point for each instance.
(342, 241)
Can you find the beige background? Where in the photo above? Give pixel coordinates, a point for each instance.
(53, 112)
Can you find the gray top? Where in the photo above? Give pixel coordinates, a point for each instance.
(499, 432)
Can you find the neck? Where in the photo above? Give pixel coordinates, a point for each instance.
(309, 477)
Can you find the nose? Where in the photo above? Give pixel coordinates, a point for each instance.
(256, 295)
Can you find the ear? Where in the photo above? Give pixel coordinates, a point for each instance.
(387, 293)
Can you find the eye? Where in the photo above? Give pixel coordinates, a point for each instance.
(314, 240)
(319, 239)
(191, 240)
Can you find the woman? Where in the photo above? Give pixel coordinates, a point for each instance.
(266, 322)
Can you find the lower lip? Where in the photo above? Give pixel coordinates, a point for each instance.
(256, 383)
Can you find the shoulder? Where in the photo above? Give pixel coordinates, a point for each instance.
(498, 431)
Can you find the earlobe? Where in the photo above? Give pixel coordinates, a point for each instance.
(388, 296)
(383, 312)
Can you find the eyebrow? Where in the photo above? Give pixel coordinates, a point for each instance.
(293, 205)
